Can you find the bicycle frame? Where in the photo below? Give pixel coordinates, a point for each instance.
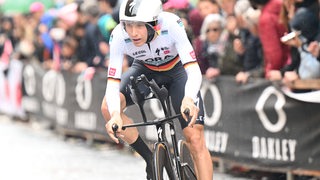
(162, 137)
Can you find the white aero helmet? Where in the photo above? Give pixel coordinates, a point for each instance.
(140, 10)
(146, 11)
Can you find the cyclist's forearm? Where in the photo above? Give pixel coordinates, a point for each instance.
(194, 81)
(112, 97)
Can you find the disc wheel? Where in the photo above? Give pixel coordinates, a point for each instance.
(163, 167)
(187, 166)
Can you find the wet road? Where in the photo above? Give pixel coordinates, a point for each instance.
(30, 152)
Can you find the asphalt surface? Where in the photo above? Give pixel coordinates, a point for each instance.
(29, 151)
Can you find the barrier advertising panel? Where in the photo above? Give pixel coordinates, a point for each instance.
(257, 124)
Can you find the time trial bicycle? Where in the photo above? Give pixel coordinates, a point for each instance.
(171, 161)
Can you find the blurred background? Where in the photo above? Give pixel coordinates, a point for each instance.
(261, 88)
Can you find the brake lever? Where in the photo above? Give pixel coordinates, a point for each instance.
(115, 128)
(187, 113)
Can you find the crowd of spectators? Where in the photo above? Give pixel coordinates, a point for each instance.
(242, 38)
(231, 37)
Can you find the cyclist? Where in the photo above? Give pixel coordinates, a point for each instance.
(161, 50)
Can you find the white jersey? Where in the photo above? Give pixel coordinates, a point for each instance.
(161, 54)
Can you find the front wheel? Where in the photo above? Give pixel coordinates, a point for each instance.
(162, 164)
(187, 166)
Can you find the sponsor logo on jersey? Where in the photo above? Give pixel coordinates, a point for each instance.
(179, 21)
(164, 32)
(165, 50)
(157, 64)
(112, 71)
(193, 55)
(139, 53)
(156, 61)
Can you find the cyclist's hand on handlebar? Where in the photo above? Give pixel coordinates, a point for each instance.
(187, 103)
(114, 121)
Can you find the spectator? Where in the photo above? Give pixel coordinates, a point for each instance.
(209, 46)
(312, 5)
(206, 7)
(287, 13)
(23, 51)
(107, 6)
(247, 45)
(6, 50)
(230, 64)
(197, 15)
(7, 29)
(307, 23)
(109, 18)
(57, 34)
(92, 38)
(37, 10)
(195, 21)
(227, 7)
(68, 53)
(66, 18)
(276, 54)
(106, 24)
(38, 30)
(68, 15)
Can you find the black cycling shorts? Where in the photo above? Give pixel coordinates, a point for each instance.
(174, 80)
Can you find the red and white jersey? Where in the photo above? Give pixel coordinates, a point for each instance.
(161, 54)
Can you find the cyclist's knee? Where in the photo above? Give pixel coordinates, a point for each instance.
(196, 140)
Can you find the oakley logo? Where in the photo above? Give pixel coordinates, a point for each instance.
(278, 107)
(132, 7)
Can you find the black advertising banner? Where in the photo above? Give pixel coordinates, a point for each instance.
(32, 85)
(66, 99)
(257, 124)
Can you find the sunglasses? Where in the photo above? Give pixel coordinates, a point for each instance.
(213, 30)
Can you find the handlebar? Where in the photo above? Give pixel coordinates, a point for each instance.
(115, 127)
